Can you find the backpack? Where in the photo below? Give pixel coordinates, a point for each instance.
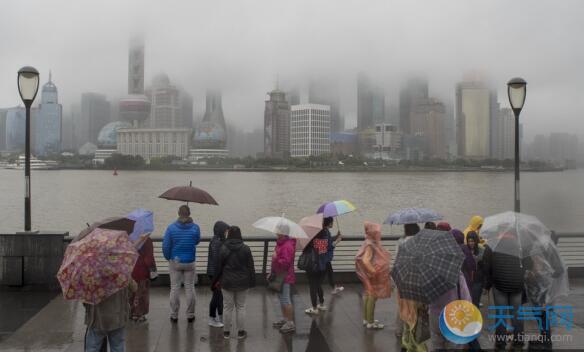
(308, 260)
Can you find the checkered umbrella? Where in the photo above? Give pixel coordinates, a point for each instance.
(427, 265)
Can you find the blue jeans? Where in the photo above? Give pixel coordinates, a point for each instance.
(285, 295)
(116, 338)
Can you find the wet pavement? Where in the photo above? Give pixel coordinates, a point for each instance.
(17, 307)
(59, 326)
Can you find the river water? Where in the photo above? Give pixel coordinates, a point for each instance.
(67, 199)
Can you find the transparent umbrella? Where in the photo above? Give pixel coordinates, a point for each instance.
(280, 225)
(516, 234)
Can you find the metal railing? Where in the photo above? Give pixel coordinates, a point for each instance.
(571, 246)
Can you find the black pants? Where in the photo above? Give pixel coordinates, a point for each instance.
(315, 284)
(329, 274)
(216, 304)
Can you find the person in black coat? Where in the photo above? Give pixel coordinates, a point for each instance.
(216, 304)
(236, 274)
(505, 272)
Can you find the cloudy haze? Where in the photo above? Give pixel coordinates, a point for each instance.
(242, 46)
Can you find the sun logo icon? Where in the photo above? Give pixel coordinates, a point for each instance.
(461, 322)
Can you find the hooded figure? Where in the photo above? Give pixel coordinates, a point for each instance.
(469, 266)
(372, 263)
(215, 246)
(475, 224)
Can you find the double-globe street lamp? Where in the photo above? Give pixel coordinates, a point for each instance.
(517, 89)
(28, 86)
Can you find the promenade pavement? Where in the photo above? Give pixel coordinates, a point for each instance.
(59, 326)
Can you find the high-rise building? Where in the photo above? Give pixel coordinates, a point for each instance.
(310, 130)
(476, 111)
(503, 136)
(563, 147)
(136, 67)
(95, 112)
(326, 92)
(211, 132)
(48, 122)
(166, 105)
(388, 142)
(413, 89)
(186, 109)
(16, 129)
(428, 120)
(3, 113)
(277, 125)
(370, 103)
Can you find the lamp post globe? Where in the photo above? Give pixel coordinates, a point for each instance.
(28, 86)
(517, 90)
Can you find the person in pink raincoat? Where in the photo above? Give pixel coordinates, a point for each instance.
(372, 267)
(283, 263)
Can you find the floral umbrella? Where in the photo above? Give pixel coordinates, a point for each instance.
(97, 266)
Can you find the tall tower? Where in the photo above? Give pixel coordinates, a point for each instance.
(370, 103)
(415, 88)
(277, 125)
(136, 67)
(48, 123)
(211, 132)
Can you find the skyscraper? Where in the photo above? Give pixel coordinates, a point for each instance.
(16, 128)
(326, 92)
(48, 122)
(277, 125)
(166, 109)
(211, 132)
(95, 113)
(3, 113)
(310, 130)
(428, 120)
(136, 67)
(370, 103)
(475, 112)
(413, 89)
(503, 136)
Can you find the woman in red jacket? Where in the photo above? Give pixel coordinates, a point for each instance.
(140, 300)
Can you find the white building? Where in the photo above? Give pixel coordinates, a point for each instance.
(198, 154)
(310, 129)
(388, 141)
(154, 142)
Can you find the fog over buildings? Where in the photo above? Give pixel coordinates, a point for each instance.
(241, 47)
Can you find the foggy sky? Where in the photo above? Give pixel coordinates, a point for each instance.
(242, 46)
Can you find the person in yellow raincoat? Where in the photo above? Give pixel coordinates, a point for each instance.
(475, 224)
(372, 267)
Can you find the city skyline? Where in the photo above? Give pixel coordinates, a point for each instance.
(98, 60)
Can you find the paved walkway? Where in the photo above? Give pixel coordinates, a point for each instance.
(59, 327)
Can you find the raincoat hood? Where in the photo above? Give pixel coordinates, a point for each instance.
(219, 230)
(475, 222)
(372, 231)
(443, 226)
(233, 244)
(458, 236)
(185, 220)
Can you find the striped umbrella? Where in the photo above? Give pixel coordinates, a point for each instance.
(336, 208)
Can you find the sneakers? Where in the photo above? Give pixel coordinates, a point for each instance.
(375, 326)
(337, 290)
(226, 335)
(321, 307)
(312, 311)
(241, 334)
(279, 324)
(365, 322)
(215, 322)
(288, 327)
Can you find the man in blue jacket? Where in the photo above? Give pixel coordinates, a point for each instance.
(180, 248)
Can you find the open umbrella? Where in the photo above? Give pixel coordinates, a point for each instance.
(427, 265)
(312, 225)
(144, 223)
(336, 208)
(97, 266)
(113, 223)
(189, 194)
(516, 234)
(413, 216)
(280, 225)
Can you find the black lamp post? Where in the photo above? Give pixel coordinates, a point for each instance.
(517, 89)
(28, 86)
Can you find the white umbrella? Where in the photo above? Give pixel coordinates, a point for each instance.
(280, 225)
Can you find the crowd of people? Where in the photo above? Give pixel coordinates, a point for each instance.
(231, 271)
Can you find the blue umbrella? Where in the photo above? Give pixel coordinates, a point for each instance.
(144, 222)
(413, 216)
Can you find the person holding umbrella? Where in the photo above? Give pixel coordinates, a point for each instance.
(283, 265)
(321, 248)
(179, 248)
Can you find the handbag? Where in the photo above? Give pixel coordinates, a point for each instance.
(422, 328)
(308, 260)
(277, 281)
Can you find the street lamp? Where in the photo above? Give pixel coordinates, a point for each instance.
(28, 86)
(517, 89)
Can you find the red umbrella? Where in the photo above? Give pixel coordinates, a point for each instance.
(189, 194)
